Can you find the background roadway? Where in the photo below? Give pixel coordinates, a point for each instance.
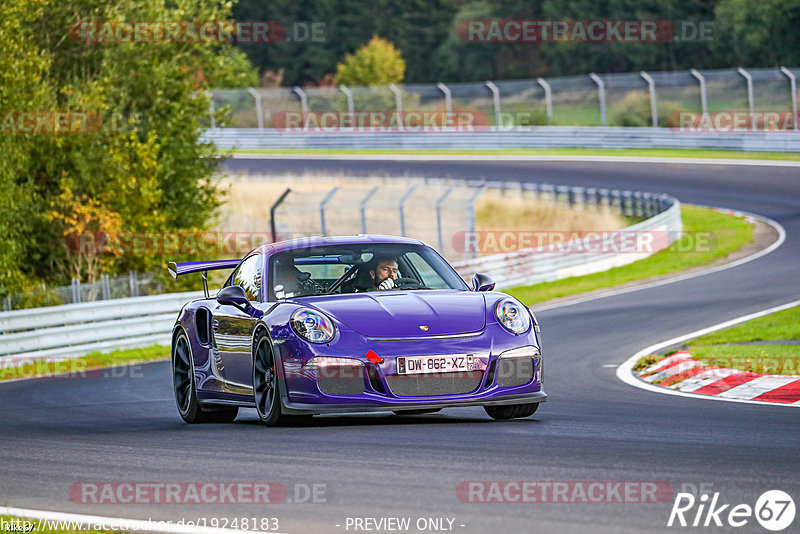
(59, 432)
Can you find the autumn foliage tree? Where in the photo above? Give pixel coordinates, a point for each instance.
(376, 63)
(144, 169)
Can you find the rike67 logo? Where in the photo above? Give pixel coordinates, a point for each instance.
(774, 510)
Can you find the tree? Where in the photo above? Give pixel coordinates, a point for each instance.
(21, 72)
(376, 63)
(758, 32)
(145, 164)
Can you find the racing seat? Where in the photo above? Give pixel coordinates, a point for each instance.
(362, 280)
(286, 275)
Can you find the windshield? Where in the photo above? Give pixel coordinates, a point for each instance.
(341, 269)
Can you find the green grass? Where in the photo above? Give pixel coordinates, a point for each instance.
(77, 367)
(728, 233)
(780, 325)
(713, 349)
(768, 359)
(630, 152)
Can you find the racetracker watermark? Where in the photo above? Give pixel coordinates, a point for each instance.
(419, 121)
(208, 492)
(50, 122)
(220, 31)
(733, 121)
(582, 242)
(175, 243)
(548, 31)
(564, 492)
(15, 367)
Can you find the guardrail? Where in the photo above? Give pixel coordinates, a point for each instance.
(75, 329)
(516, 137)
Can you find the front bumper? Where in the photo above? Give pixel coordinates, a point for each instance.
(301, 392)
(299, 408)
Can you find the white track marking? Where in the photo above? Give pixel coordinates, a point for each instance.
(625, 371)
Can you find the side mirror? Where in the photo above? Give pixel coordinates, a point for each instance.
(482, 282)
(233, 296)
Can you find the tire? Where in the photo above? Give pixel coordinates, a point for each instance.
(417, 412)
(266, 386)
(183, 385)
(511, 411)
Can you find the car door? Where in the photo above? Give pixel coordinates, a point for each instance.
(233, 328)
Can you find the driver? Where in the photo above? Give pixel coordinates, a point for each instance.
(384, 273)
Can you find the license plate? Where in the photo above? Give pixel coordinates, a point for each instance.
(415, 365)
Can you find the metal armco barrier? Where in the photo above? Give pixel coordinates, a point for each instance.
(76, 329)
(517, 137)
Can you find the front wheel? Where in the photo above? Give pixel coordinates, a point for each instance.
(511, 411)
(186, 393)
(266, 389)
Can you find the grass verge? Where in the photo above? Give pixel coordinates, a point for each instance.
(630, 152)
(723, 348)
(92, 365)
(726, 232)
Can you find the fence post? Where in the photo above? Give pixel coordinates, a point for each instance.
(272, 225)
(322, 209)
(401, 205)
(398, 104)
(750, 101)
(471, 215)
(703, 100)
(105, 287)
(793, 85)
(351, 108)
(548, 99)
(303, 104)
(448, 97)
(439, 203)
(496, 98)
(259, 109)
(76, 290)
(363, 208)
(651, 84)
(601, 95)
(211, 109)
(133, 283)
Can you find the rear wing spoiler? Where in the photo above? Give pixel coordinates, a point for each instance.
(177, 269)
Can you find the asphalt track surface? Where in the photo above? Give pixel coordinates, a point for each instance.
(56, 433)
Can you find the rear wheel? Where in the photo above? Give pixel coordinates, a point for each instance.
(266, 386)
(512, 411)
(186, 393)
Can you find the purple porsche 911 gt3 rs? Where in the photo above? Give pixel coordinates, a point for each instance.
(351, 324)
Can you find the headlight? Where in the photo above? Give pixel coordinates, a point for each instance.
(313, 326)
(513, 316)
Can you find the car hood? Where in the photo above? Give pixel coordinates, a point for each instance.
(406, 314)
